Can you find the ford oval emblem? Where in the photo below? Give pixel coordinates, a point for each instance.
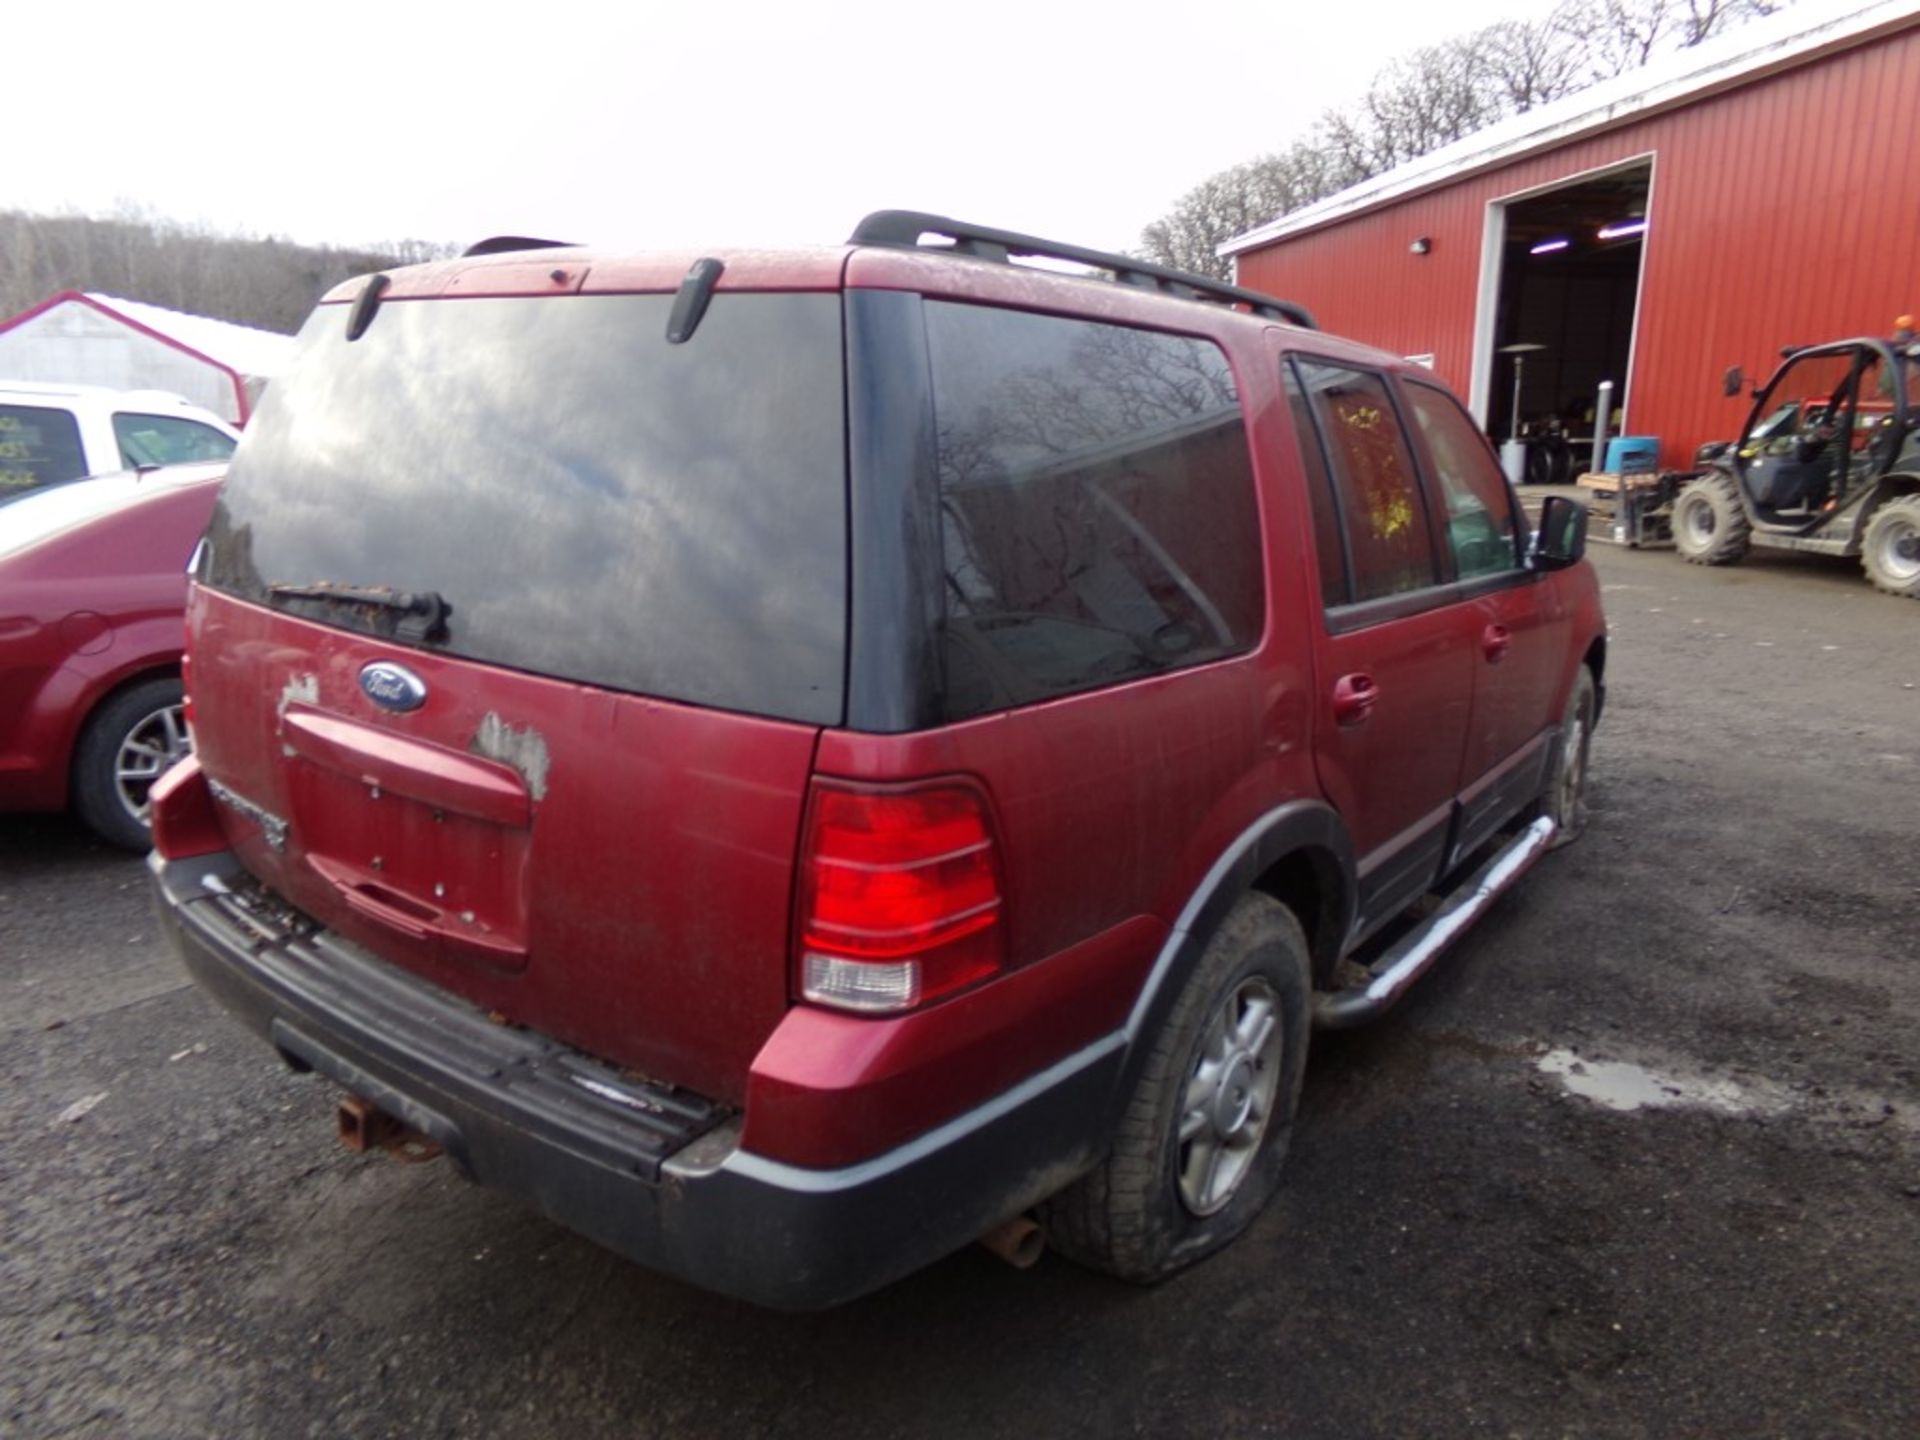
(392, 687)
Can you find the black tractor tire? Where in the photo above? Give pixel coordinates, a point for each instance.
(128, 743)
(1564, 800)
(1198, 1152)
(1890, 550)
(1710, 525)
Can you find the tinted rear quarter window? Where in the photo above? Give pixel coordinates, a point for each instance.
(38, 446)
(594, 503)
(1097, 505)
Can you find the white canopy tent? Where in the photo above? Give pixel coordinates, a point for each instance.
(76, 338)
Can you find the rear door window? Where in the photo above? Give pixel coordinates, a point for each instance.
(592, 502)
(1097, 505)
(1389, 541)
(38, 446)
(167, 440)
(1482, 533)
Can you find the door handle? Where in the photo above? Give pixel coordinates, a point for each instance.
(1495, 641)
(1353, 697)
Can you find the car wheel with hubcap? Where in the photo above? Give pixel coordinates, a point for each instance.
(130, 742)
(1199, 1149)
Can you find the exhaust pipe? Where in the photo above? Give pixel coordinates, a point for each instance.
(364, 1127)
(1019, 1242)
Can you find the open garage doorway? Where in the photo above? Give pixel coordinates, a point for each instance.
(1566, 289)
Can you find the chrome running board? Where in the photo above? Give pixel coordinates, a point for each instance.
(1399, 967)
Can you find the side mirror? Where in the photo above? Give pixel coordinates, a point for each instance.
(1732, 382)
(1562, 538)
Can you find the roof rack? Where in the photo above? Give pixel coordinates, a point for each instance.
(903, 229)
(500, 244)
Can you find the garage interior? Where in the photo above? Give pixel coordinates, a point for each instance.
(1569, 280)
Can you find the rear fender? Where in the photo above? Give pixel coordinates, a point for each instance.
(49, 727)
(1306, 831)
(1893, 487)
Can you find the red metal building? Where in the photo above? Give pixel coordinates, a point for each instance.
(1758, 191)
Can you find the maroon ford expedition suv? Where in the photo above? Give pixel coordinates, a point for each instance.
(790, 762)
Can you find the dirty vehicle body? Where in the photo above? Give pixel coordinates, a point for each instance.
(93, 588)
(910, 738)
(1830, 464)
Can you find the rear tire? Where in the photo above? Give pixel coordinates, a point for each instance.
(130, 742)
(1710, 525)
(1890, 550)
(1564, 801)
(1198, 1152)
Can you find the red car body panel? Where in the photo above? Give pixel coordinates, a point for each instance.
(634, 904)
(619, 872)
(84, 612)
(596, 920)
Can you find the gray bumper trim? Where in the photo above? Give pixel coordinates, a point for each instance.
(762, 1230)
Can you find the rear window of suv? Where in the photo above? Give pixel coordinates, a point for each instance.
(1097, 505)
(592, 502)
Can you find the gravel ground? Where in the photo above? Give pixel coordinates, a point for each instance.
(1472, 1239)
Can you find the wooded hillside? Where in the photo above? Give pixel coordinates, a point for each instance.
(269, 283)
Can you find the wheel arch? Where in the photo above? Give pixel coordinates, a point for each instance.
(1301, 855)
(1309, 882)
(102, 693)
(1896, 486)
(1596, 660)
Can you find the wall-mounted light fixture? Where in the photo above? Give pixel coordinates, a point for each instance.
(1549, 247)
(1623, 229)
(1421, 245)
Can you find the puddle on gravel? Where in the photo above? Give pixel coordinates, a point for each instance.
(1620, 1085)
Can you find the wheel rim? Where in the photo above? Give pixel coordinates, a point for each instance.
(150, 748)
(1700, 522)
(1572, 781)
(1229, 1096)
(1897, 551)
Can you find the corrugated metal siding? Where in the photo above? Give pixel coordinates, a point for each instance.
(1786, 211)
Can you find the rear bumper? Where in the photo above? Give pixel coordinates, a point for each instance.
(654, 1174)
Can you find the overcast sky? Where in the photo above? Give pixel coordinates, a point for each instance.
(649, 124)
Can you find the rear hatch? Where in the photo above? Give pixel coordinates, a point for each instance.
(515, 631)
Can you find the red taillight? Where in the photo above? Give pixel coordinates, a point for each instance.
(900, 897)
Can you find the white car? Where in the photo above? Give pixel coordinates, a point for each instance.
(53, 433)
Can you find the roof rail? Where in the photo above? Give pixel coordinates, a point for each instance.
(500, 244)
(902, 229)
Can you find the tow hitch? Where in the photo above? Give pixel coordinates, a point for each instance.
(364, 1127)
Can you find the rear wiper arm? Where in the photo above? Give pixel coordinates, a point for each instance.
(420, 616)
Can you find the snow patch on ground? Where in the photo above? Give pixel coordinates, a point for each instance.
(1622, 1085)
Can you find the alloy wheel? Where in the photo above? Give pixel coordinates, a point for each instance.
(1229, 1096)
(147, 752)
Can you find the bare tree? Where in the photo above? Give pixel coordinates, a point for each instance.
(1431, 97)
(1428, 98)
(1233, 202)
(1623, 35)
(1532, 64)
(138, 255)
